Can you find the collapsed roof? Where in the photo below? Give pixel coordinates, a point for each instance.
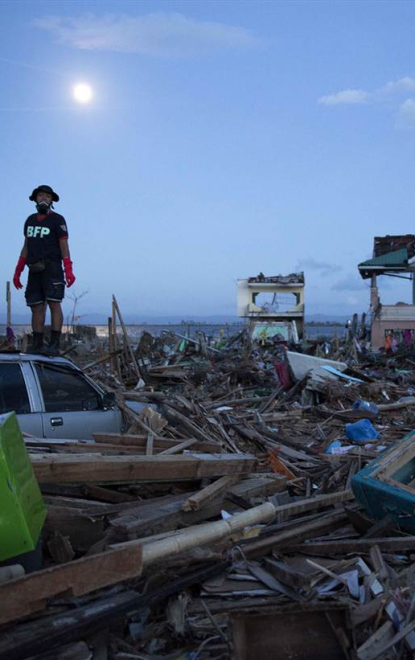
(293, 278)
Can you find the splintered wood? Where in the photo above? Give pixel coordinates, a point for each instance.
(222, 523)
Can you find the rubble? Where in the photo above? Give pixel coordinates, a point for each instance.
(223, 522)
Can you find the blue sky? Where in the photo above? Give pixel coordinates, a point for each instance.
(225, 138)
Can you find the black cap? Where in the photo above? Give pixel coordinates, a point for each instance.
(46, 189)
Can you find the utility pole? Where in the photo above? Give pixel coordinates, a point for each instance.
(9, 305)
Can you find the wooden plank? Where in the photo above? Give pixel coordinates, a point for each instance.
(105, 358)
(313, 503)
(369, 610)
(206, 495)
(150, 443)
(262, 485)
(160, 443)
(394, 544)
(236, 402)
(166, 513)
(378, 563)
(322, 525)
(83, 530)
(152, 517)
(177, 417)
(107, 495)
(178, 448)
(376, 643)
(63, 468)
(286, 574)
(33, 638)
(28, 594)
(157, 517)
(126, 339)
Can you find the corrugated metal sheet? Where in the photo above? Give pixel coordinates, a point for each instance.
(396, 259)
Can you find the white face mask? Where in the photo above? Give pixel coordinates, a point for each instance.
(43, 207)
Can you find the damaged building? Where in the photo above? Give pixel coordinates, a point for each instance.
(393, 256)
(273, 305)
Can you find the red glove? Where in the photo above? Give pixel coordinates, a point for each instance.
(69, 276)
(19, 270)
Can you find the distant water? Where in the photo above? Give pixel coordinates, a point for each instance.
(185, 329)
(192, 329)
(329, 331)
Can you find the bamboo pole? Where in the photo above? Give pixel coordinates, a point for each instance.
(199, 535)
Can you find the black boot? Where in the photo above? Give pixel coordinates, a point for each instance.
(53, 350)
(37, 346)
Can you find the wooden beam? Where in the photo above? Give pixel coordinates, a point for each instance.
(178, 448)
(126, 339)
(206, 495)
(394, 544)
(150, 444)
(64, 468)
(29, 594)
(177, 417)
(33, 638)
(382, 640)
(312, 504)
(324, 524)
(160, 443)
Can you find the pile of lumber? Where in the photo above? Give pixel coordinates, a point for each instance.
(222, 523)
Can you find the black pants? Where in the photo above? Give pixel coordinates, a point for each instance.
(47, 286)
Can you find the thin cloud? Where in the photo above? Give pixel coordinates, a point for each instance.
(351, 96)
(389, 92)
(406, 115)
(406, 84)
(324, 267)
(350, 283)
(156, 34)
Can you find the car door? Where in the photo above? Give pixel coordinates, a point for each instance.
(16, 395)
(72, 406)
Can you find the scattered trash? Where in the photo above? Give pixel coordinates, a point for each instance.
(227, 507)
(366, 406)
(362, 431)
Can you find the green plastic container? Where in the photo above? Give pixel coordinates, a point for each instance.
(22, 511)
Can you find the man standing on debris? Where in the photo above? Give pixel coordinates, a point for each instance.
(45, 247)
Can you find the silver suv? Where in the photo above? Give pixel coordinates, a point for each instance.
(54, 399)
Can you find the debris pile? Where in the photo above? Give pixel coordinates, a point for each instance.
(223, 523)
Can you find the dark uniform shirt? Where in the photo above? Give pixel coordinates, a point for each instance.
(43, 233)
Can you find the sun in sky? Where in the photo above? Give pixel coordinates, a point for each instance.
(82, 93)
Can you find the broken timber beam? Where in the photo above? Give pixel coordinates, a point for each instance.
(35, 637)
(29, 594)
(159, 443)
(176, 417)
(206, 495)
(393, 544)
(324, 524)
(70, 468)
(312, 503)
